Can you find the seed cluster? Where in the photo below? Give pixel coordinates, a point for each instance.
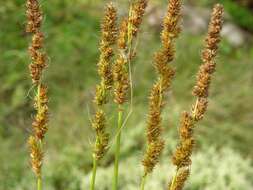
(108, 39)
(40, 123)
(180, 179)
(128, 31)
(171, 29)
(120, 69)
(36, 155)
(182, 156)
(136, 14)
(38, 64)
(102, 137)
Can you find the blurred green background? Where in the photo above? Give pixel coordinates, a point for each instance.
(223, 158)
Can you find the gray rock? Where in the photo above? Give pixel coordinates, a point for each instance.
(234, 35)
(195, 21)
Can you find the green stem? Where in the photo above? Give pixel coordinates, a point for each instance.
(39, 179)
(117, 151)
(39, 183)
(94, 171)
(174, 180)
(143, 181)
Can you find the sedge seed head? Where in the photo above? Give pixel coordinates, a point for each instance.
(180, 180)
(154, 128)
(109, 26)
(136, 16)
(182, 155)
(38, 57)
(122, 37)
(102, 138)
(165, 75)
(108, 39)
(36, 155)
(40, 123)
(152, 155)
(34, 16)
(120, 69)
(121, 80)
(200, 108)
(209, 53)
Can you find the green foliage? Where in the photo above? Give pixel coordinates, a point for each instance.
(240, 14)
(212, 169)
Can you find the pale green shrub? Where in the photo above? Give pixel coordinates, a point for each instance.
(212, 169)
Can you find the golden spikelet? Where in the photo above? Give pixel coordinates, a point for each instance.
(39, 62)
(182, 156)
(153, 152)
(180, 180)
(102, 138)
(40, 123)
(199, 108)
(122, 76)
(38, 57)
(136, 14)
(108, 39)
(120, 68)
(122, 36)
(36, 155)
(209, 53)
(34, 16)
(166, 72)
(128, 31)
(183, 153)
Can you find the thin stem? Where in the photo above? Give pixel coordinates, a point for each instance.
(94, 171)
(117, 151)
(143, 182)
(39, 183)
(194, 111)
(174, 180)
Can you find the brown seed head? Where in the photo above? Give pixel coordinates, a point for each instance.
(181, 157)
(38, 57)
(136, 16)
(36, 155)
(171, 24)
(186, 126)
(40, 123)
(101, 95)
(209, 53)
(109, 26)
(121, 80)
(154, 128)
(180, 180)
(165, 75)
(108, 38)
(122, 37)
(171, 30)
(152, 155)
(120, 67)
(34, 16)
(199, 109)
(102, 138)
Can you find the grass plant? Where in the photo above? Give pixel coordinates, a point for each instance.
(118, 48)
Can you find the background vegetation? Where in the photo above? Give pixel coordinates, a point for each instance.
(224, 155)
